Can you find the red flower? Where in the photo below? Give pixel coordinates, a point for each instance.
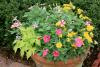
(55, 53)
(46, 38)
(58, 32)
(45, 52)
(78, 42)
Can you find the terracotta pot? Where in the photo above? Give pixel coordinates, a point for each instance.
(42, 62)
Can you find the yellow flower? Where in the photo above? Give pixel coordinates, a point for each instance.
(79, 11)
(89, 27)
(89, 39)
(59, 45)
(68, 39)
(86, 35)
(71, 5)
(58, 23)
(71, 34)
(68, 6)
(74, 33)
(81, 16)
(86, 18)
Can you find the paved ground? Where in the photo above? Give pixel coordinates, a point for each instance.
(9, 63)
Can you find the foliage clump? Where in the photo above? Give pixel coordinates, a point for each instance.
(56, 34)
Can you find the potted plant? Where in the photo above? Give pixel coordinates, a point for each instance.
(60, 36)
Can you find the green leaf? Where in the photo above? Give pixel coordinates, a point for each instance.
(41, 30)
(30, 52)
(15, 48)
(40, 53)
(37, 42)
(22, 52)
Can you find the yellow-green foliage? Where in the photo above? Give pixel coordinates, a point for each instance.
(27, 41)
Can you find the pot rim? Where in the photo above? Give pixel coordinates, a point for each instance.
(40, 59)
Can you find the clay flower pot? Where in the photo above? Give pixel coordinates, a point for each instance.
(42, 62)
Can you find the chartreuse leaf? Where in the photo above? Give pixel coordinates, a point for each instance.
(22, 52)
(26, 43)
(30, 52)
(15, 48)
(38, 42)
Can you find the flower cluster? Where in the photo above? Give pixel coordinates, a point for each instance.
(78, 40)
(64, 34)
(80, 12)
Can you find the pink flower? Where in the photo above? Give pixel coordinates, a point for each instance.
(16, 24)
(58, 31)
(46, 38)
(88, 23)
(45, 52)
(62, 23)
(55, 53)
(78, 42)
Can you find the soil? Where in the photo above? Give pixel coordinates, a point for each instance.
(91, 57)
(12, 57)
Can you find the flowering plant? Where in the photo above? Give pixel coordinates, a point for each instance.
(56, 34)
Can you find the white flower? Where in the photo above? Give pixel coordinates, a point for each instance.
(35, 25)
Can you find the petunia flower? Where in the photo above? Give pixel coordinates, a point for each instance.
(45, 52)
(58, 32)
(78, 42)
(56, 53)
(46, 38)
